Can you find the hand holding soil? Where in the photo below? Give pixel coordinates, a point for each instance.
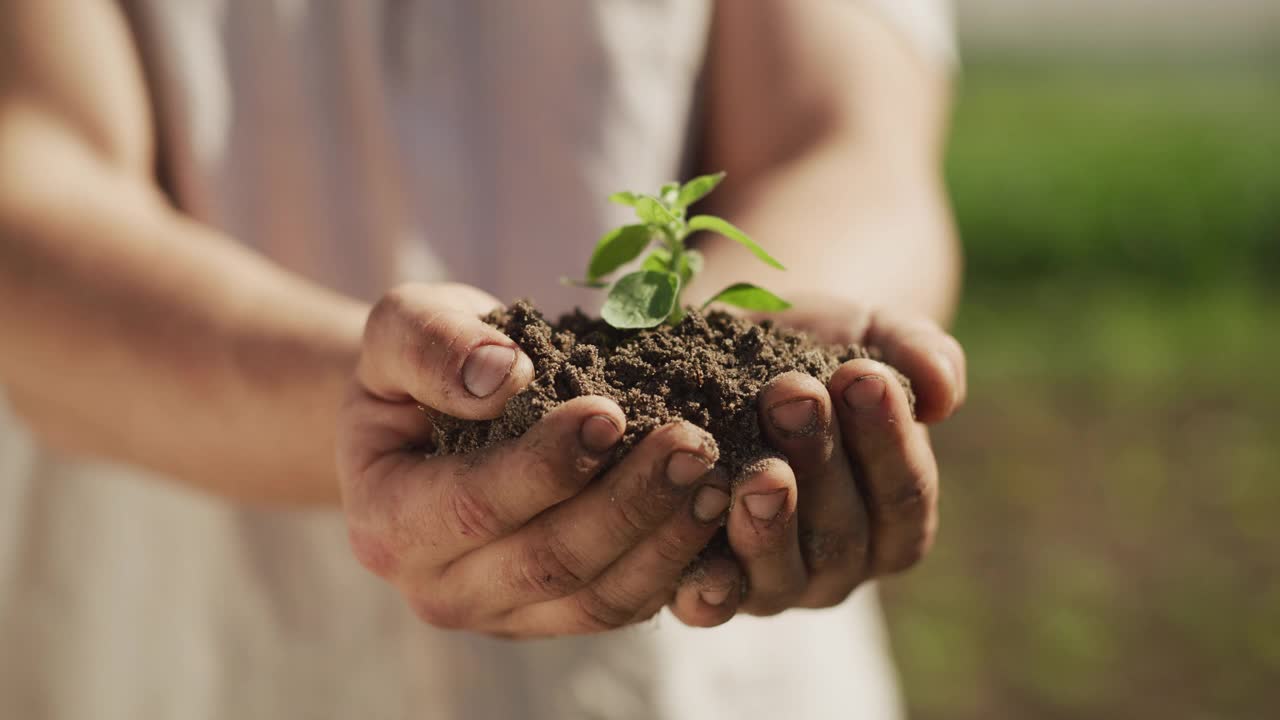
(861, 469)
(520, 478)
(540, 535)
(833, 479)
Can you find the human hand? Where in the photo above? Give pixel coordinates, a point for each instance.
(521, 539)
(857, 495)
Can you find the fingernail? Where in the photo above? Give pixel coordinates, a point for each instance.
(865, 393)
(949, 365)
(945, 361)
(685, 467)
(710, 503)
(765, 506)
(795, 417)
(714, 597)
(599, 433)
(486, 368)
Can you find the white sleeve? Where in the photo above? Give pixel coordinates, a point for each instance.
(928, 24)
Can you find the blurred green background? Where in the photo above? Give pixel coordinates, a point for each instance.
(1110, 542)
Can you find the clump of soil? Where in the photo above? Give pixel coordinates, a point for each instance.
(708, 370)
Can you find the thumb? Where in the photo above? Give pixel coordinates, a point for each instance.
(933, 360)
(426, 343)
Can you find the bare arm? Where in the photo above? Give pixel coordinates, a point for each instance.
(127, 330)
(831, 129)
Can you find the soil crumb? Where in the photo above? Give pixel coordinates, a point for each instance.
(708, 370)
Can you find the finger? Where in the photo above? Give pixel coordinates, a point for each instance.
(928, 356)
(897, 467)
(762, 534)
(654, 606)
(563, 550)
(439, 507)
(798, 421)
(710, 594)
(427, 343)
(627, 589)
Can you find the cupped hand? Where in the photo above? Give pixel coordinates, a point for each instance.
(856, 497)
(527, 538)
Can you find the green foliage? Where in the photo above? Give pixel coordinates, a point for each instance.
(715, 224)
(1160, 176)
(696, 189)
(750, 297)
(617, 248)
(1120, 222)
(624, 198)
(641, 299)
(653, 294)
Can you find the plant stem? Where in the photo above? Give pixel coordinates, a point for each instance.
(675, 239)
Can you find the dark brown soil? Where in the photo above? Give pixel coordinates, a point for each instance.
(707, 370)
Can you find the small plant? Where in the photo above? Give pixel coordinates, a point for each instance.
(653, 294)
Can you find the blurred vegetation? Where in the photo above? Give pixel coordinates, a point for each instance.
(1110, 545)
(1161, 174)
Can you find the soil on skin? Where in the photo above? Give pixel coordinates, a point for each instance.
(708, 370)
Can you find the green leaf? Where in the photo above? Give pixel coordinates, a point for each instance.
(722, 226)
(624, 198)
(749, 297)
(660, 259)
(696, 189)
(641, 299)
(651, 211)
(617, 248)
(668, 193)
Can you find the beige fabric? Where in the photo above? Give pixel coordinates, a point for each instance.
(358, 143)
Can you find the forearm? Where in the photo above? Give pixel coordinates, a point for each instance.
(831, 127)
(845, 223)
(132, 333)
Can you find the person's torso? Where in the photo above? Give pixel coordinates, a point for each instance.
(363, 143)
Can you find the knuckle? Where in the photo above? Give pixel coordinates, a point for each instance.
(639, 515)
(373, 552)
(560, 478)
(646, 614)
(438, 612)
(553, 569)
(673, 549)
(439, 327)
(597, 612)
(441, 347)
(910, 500)
(835, 553)
(468, 514)
(772, 544)
(389, 308)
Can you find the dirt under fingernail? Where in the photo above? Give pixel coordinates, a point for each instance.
(796, 417)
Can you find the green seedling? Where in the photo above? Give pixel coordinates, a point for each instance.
(653, 294)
